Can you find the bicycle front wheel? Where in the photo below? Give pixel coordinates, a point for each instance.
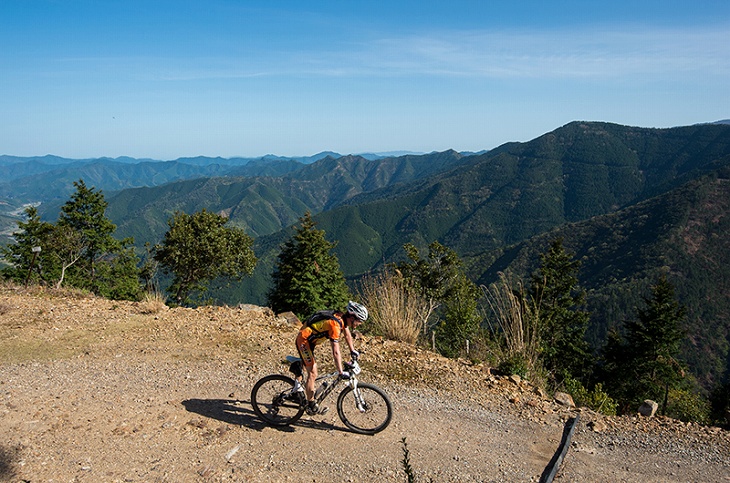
(273, 401)
(366, 410)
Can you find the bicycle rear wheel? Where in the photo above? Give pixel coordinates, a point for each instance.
(366, 410)
(273, 401)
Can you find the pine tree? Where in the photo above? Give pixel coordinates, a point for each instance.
(642, 364)
(84, 213)
(653, 342)
(307, 276)
(24, 263)
(86, 251)
(563, 324)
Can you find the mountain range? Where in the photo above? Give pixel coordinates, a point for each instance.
(631, 203)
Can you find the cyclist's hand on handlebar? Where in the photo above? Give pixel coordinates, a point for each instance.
(345, 375)
(355, 355)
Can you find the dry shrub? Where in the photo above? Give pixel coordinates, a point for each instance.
(396, 312)
(516, 326)
(153, 303)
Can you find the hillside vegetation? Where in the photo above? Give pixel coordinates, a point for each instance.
(631, 203)
(677, 234)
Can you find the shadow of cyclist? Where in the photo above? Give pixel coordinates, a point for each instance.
(232, 411)
(226, 410)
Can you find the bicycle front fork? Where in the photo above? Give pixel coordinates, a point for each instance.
(359, 400)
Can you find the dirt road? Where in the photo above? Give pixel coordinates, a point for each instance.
(93, 390)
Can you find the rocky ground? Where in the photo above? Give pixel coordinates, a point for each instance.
(95, 390)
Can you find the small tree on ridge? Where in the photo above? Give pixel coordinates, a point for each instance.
(307, 276)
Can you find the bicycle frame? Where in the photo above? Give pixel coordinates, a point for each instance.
(354, 370)
(321, 394)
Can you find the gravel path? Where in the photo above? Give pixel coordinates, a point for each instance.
(89, 420)
(97, 391)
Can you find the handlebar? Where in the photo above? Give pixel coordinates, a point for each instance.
(352, 367)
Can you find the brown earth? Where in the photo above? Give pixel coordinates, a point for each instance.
(95, 390)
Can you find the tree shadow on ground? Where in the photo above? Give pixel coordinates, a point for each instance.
(233, 411)
(7, 465)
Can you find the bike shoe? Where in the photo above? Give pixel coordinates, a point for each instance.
(312, 408)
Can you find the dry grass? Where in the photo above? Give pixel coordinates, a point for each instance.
(153, 303)
(396, 313)
(65, 346)
(41, 323)
(516, 323)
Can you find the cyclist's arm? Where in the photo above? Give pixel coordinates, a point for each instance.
(336, 354)
(348, 339)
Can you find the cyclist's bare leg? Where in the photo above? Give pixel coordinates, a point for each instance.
(311, 379)
(306, 353)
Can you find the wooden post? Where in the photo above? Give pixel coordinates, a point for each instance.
(433, 341)
(36, 251)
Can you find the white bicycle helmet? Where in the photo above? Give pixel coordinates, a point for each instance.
(357, 310)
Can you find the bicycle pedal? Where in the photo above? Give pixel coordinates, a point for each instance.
(323, 410)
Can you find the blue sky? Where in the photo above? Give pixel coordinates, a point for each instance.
(165, 79)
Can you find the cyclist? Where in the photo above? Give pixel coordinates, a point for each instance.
(327, 325)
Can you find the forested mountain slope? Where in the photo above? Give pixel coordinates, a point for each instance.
(680, 234)
(632, 203)
(476, 205)
(264, 205)
(523, 189)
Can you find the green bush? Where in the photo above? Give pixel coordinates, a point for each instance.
(686, 405)
(596, 399)
(514, 364)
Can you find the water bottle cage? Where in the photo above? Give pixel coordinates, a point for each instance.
(323, 390)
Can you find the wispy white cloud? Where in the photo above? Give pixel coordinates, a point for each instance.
(601, 53)
(559, 54)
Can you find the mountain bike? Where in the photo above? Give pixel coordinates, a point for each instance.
(364, 408)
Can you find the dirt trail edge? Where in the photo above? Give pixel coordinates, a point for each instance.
(95, 390)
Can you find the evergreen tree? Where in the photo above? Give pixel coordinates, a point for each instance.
(307, 276)
(84, 213)
(440, 278)
(563, 325)
(653, 340)
(461, 321)
(643, 364)
(22, 260)
(86, 252)
(198, 248)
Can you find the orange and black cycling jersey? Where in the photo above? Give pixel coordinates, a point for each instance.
(327, 328)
